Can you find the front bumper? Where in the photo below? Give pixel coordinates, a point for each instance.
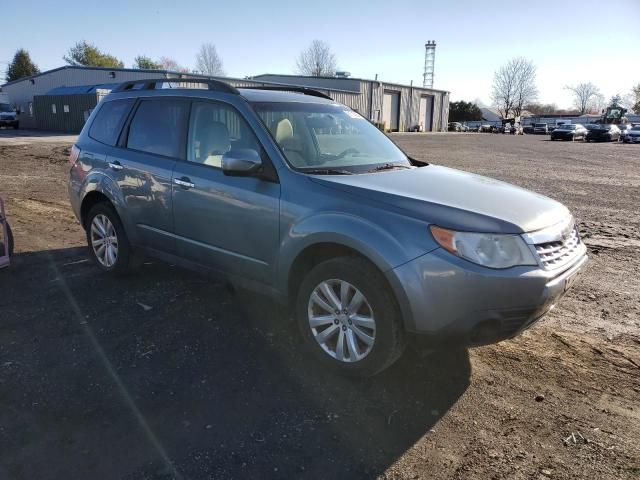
(8, 123)
(447, 298)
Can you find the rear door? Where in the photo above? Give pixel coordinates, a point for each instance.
(226, 223)
(152, 142)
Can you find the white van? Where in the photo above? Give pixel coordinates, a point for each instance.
(8, 115)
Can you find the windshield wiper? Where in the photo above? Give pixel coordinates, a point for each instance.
(389, 166)
(327, 171)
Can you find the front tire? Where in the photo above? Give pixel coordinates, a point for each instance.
(349, 317)
(107, 240)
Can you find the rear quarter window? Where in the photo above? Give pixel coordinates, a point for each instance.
(109, 119)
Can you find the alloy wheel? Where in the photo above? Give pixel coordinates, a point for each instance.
(341, 320)
(104, 241)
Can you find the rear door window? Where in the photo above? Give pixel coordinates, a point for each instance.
(158, 127)
(109, 119)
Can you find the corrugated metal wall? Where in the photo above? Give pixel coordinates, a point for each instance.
(367, 99)
(63, 113)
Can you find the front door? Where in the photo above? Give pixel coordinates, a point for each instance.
(151, 145)
(230, 224)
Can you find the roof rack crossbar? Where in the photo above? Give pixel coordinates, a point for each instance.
(150, 84)
(286, 88)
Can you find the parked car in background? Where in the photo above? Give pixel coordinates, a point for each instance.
(455, 127)
(8, 116)
(603, 133)
(624, 130)
(569, 132)
(303, 199)
(528, 128)
(465, 127)
(633, 135)
(540, 128)
(485, 128)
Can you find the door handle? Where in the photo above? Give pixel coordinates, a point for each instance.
(115, 165)
(184, 182)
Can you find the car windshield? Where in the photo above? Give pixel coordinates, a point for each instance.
(541, 125)
(328, 137)
(567, 127)
(5, 107)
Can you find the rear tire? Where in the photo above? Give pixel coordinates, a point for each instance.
(107, 240)
(383, 327)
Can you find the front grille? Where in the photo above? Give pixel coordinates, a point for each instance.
(559, 252)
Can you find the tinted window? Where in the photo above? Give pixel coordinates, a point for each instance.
(108, 121)
(158, 126)
(214, 130)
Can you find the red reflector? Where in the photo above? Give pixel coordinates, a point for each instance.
(73, 155)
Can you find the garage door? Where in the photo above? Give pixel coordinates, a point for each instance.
(391, 109)
(426, 113)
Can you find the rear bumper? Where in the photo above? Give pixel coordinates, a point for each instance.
(450, 299)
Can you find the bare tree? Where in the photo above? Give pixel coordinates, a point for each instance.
(317, 60)
(585, 95)
(208, 61)
(167, 63)
(598, 103)
(514, 86)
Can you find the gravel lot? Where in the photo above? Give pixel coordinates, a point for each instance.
(166, 374)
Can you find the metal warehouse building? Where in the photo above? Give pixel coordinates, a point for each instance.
(62, 99)
(400, 108)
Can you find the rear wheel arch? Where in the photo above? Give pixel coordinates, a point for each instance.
(89, 201)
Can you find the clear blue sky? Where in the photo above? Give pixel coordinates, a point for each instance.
(569, 41)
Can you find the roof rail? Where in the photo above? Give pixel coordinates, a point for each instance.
(286, 88)
(150, 84)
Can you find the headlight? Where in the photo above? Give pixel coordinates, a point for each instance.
(487, 249)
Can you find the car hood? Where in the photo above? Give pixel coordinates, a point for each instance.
(453, 199)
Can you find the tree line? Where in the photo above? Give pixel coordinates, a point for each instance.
(315, 60)
(514, 91)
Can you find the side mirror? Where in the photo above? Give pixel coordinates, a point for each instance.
(241, 162)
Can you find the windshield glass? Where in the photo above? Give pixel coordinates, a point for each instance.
(567, 127)
(323, 136)
(541, 125)
(5, 107)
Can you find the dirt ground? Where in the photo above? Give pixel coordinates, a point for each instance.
(166, 374)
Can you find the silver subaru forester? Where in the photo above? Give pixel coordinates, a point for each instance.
(285, 191)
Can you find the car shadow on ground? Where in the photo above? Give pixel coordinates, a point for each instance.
(166, 374)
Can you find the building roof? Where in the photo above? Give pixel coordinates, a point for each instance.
(78, 67)
(161, 73)
(81, 89)
(341, 79)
